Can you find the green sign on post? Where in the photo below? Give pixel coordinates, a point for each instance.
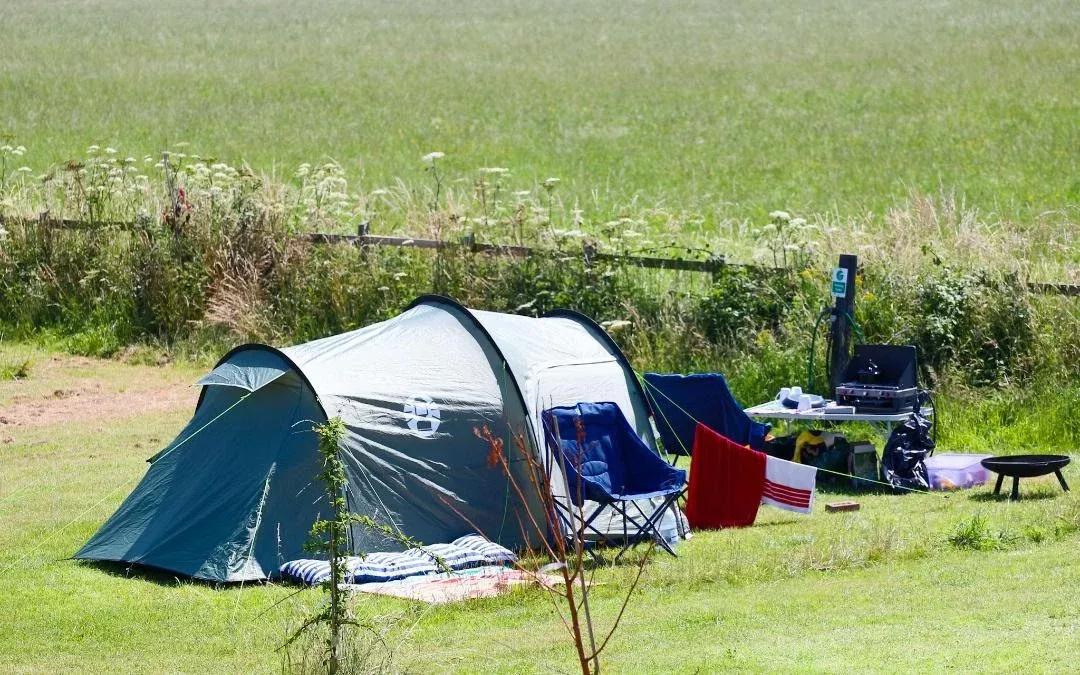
(839, 282)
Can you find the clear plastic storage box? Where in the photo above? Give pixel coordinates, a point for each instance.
(951, 471)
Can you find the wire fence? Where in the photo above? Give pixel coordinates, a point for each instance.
(711, 265)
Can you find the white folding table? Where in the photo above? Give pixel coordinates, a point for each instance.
(777, 411)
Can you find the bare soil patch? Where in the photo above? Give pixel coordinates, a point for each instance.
(66, 393)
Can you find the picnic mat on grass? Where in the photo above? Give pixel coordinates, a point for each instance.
(478, 582)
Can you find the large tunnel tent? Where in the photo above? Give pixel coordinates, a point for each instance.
(235, 494)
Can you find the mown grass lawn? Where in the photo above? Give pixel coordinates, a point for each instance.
(880, 589)
(819, 106)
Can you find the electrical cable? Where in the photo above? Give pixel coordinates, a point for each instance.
(835, 313)
(813, 343)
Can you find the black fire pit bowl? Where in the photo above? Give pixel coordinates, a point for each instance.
(1025, 466)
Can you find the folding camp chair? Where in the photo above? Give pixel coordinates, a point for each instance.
(605, 461)
(679, 402)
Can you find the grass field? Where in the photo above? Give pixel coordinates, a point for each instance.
(733, 109)
(881, 589)
(901, 131)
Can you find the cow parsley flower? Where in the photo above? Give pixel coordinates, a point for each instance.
(432, 156)
(780, 215)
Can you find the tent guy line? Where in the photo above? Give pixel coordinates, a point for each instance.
(200, 429)
(61, 529)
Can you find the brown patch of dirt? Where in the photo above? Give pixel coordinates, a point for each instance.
(89, 401)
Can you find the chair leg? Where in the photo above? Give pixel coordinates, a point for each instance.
(641, 524)
(649, 526)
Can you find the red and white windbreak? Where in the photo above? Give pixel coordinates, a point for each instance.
(789, 485)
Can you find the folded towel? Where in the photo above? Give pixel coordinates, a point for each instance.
(789, 485)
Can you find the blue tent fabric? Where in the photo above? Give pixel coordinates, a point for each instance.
(603, 458)
(679, 402)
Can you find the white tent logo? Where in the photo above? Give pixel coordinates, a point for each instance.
(423, 415)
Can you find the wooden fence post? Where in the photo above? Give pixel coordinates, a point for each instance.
(843, 315)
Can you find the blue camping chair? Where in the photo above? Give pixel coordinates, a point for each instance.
(605, 461)
(679, 402)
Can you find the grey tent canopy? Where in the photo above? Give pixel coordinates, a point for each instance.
(235, 494)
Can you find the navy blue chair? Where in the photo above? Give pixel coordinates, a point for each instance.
(679, 402)
(605, 461)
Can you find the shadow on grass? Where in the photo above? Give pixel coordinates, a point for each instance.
(157, 576)
(1039, 493)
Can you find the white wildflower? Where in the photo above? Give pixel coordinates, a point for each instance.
(780, 215)
(92, 149)
(384, 289)
(496, 170)
(6, 148)
(379, 192)
(398, 276)
(522, 194)
(612, 326)
(24, 169)
(550, 183)
(798, 222)
(19, 151)
(569, 233)
(432, 156)
(110, 151)
(631, 233)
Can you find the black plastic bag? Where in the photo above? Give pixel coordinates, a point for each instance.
(903, 462)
